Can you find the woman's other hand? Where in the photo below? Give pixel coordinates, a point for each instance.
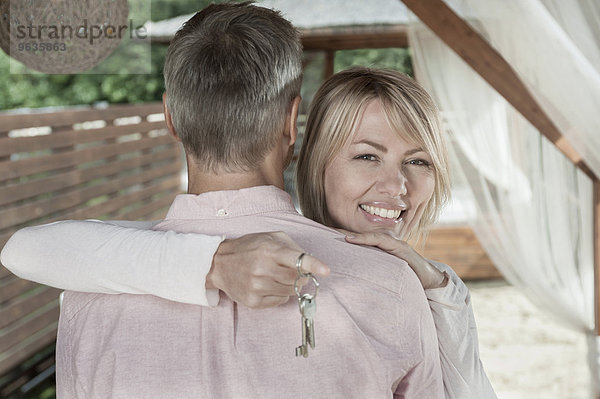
(428, 274)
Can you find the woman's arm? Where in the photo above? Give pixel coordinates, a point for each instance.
(463, 373)
(450, 304)
(105, 257)
(257, 270)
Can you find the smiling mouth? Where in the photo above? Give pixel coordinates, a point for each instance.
(393, 214)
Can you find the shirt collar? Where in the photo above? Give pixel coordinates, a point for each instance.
(230, 203)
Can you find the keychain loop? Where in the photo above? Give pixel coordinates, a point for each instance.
(303, 275)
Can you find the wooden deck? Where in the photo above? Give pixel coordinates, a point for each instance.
(458, 247)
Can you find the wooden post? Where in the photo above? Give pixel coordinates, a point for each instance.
(596, 214)
(596, 243)
(329, 64)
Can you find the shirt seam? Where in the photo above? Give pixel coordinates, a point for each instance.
(262, 212)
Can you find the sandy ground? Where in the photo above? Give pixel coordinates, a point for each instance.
(526, 354)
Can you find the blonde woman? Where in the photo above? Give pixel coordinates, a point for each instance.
(373, 164)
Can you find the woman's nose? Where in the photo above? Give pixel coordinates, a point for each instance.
(392, 183)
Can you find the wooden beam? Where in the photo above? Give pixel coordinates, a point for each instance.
(329, 64)
(597, 254)
(492, 67)
(355, 37)
(343, 38)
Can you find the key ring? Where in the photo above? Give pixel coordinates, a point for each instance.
(299, 265)
(302, 275)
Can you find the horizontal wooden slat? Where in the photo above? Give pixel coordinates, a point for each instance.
(24, 213)
(148, 209)
(169, 184)
(25, 304)
(60, 139)
(355, 37)
(16, 332)
(27, 348)
(16, 192)
(12, 286)
(3, 271)
(4, 236)
(24, 167)
(18, 121)
(459, 248)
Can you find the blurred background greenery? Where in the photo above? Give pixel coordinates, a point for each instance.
(35, 90)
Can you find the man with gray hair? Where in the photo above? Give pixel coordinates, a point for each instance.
(232, 77)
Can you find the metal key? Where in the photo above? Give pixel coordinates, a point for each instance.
(308, 308)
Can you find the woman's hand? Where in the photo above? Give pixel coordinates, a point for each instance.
(259, 270)
(428, 274)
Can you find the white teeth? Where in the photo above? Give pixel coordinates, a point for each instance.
(384, 213)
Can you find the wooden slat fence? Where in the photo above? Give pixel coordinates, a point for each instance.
(458, 247)
(112, 163)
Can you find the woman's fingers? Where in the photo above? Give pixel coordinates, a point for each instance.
(429, 276)
(380, 240)
(256, 266)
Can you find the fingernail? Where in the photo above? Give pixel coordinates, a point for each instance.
(350, 236)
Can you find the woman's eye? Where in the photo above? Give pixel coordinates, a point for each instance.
(419, 162)
(366, 157)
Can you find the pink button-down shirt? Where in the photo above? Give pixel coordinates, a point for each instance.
(375, 336)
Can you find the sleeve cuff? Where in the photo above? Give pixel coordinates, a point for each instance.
(190, 261)
(212, 297)
(454, 295)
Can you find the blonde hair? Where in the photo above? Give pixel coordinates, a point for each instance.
(333, 118)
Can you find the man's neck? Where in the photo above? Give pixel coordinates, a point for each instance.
(201, 182)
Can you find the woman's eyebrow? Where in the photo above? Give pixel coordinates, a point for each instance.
(383, 149)
(415, 150)
(377, 146)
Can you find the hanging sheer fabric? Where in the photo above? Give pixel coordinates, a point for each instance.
(534, 212)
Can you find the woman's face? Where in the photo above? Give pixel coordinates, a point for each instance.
(378, 181)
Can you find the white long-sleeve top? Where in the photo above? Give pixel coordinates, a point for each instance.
(127, 257)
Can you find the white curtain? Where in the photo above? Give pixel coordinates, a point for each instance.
(534, 208)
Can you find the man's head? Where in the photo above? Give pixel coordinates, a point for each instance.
(231, 74)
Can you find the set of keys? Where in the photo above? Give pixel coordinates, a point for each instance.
(308, 307)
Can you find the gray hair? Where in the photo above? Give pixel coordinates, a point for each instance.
(231, 73)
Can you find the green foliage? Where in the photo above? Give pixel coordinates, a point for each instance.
(314, 64)
(163, 9)
(40, 90)
(394, 58)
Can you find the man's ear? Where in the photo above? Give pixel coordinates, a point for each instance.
(291, 131)
(168, 119)
(291, 128)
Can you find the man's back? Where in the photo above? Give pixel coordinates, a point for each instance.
(374, 331)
